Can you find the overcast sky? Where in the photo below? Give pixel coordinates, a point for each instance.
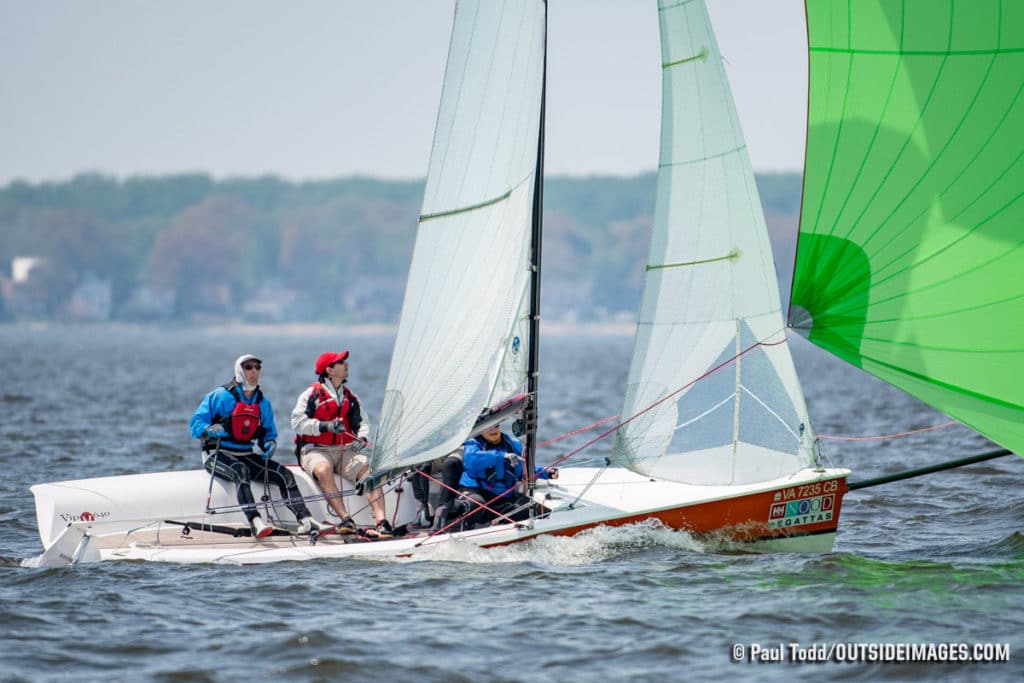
(327, 88)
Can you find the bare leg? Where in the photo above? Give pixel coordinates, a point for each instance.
(375, 498)
(324, 474)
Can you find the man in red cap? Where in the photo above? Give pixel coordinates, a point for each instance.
(331, 430)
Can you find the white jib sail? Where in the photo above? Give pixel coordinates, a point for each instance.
(462, 340)
(710, 293)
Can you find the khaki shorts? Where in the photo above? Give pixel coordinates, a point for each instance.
(348, 466)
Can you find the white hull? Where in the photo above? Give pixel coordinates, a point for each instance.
(133, 517)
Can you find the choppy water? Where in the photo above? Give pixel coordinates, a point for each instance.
(938, 559)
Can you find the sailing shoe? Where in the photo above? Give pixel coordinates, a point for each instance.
(384, 529)
(346, 526)
(308, 525)
(260, 529)
(440, 518)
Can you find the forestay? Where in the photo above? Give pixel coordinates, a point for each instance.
(910, 262)
(710, 293)
(462, 339)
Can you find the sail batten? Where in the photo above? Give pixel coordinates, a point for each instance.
(742, 149)
(909, 255)
(465, 209)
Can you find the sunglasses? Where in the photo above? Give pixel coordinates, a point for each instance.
(252, 366)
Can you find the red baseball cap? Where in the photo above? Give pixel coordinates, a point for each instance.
(327, 359)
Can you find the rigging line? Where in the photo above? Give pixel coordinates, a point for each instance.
(732, 255)
(887, 436)
(665, 398)
(593, 480)
(581, 429)
(472, 510)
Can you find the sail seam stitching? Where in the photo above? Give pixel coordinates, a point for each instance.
(919, 53)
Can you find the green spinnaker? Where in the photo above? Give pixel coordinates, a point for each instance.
(910, 261)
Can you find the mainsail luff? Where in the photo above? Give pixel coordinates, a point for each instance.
(464, 332)
(909, 257)
(536, 240)
(710, 295)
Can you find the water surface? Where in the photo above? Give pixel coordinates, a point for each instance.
(937, 559)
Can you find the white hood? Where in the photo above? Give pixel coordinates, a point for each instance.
(240, 374)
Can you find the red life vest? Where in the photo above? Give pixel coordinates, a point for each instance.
(325, 407)
(245, 420)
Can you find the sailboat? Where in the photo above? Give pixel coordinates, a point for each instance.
(714, 437)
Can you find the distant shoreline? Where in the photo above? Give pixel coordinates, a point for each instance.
(553, 328)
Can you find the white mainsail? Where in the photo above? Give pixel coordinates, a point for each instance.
(710, 293)
(462, 340)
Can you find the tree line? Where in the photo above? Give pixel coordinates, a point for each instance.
(214, 243)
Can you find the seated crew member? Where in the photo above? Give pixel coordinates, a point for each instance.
(451, 471)
(330, 431)
(492, 467)
(236, 425)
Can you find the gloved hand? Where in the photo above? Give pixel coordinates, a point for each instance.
(357, 445)
(215, 431)
(511, 460)
(332, 426)
(266, 450)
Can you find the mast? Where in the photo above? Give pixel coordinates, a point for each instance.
(530, 410)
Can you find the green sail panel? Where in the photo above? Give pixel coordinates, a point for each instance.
(910, 262)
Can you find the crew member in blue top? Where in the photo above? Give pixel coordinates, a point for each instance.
(236, 425)
(492, 467)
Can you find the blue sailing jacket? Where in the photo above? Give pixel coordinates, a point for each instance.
(218, 404)
(484, 464)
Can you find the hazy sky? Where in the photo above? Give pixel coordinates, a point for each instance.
(320, 89)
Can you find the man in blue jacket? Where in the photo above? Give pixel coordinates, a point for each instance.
(236, 425)
(492, 467)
